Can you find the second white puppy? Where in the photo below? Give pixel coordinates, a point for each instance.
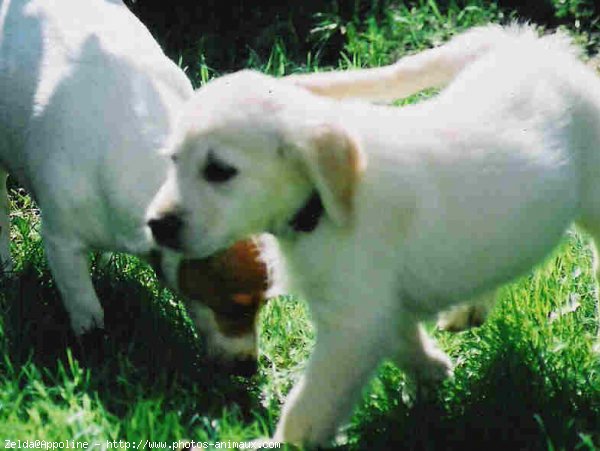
(87, 97)
(388, 216)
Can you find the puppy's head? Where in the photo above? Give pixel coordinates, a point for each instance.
(253, 154)
(223, 295)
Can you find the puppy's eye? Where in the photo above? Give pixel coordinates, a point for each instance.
(216, 171)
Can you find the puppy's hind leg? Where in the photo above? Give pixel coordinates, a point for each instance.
(418, 354)
(68, 262)
(5, 259)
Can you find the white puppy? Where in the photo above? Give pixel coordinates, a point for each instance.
(387, 216)
(87, 98)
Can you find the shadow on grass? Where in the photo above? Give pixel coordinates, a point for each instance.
(148, 349)
(515, 397)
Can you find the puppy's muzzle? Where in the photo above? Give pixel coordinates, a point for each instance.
(166, 230)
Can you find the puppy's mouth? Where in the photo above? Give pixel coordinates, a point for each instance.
(203, 248)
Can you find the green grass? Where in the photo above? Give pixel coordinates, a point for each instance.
(529, 379)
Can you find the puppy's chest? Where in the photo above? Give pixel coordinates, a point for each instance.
(328, 274)
(310, 269)
(313, 280)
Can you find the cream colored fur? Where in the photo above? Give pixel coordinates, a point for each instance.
(448, 200)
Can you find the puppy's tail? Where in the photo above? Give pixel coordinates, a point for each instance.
(432, 68)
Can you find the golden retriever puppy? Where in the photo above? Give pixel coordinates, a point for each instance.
(387, 216)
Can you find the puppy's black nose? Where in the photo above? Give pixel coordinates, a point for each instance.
(247, 367)
(166, 230)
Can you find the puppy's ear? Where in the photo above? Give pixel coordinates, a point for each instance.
(334, 162)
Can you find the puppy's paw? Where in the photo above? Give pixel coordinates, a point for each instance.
(462, 318)
(433, 371)
(297, 429)
(85, 321)
(425, 379)
(430, 366)
(438, 369)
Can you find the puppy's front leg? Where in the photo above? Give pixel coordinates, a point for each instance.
(345, 355)
(69, 265)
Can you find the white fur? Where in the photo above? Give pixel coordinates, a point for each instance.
(458, 195)
(87, 98)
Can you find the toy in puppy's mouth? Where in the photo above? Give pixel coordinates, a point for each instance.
(223, 294)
